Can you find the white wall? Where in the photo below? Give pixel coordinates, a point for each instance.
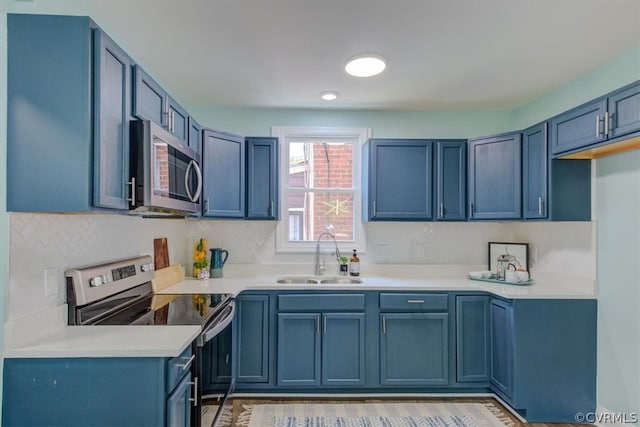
(618, 217)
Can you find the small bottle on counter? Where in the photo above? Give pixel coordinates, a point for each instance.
(354, 264)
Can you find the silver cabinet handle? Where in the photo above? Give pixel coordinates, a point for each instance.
(324, 324)
(606, 123)
(226, 359)
(441, 210)
(374, 208)
(132, 199)
(206, 205)
(318, 324)
(470, 210)
(384, 325)
(167, 119)
(540, 206)
(194, 399)
(415, 301)
(187, 364)
(171, 129)
(271, 208)
(597, 125)
(609, 124)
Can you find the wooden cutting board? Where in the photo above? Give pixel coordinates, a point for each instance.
(161, 253)
(166, 277)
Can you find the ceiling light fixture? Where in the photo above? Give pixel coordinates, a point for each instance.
(329, 95)
(365, 65)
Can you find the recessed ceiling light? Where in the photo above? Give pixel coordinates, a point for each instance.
(329, 95)
(365, 65)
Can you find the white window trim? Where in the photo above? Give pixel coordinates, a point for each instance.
(286, 133)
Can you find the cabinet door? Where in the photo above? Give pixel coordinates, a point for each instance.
(400, 180)
(624, 112)
(579, 127)
(451, 180)
(501, 319)
(414, 349)
(535, 172)
(252, 333)
(149, 99)
(217, 363)
(195, 136)
(298, 349)
(495, 177)
(179, 404)
(223, 175)
(178, 120)
(262, 178)
(112, 92)
(472, 338)
(343, 349)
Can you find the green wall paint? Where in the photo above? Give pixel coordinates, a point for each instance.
(620, 72)
(618, 218)
(384, 124)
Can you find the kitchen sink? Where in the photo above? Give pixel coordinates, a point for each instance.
(318, 280)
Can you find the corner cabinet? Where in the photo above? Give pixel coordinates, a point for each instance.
(400, 180)
(451, 180)
(495, 177)
(501, 321)
(69, 123)
(535, 172)
(472, 338)
(223, 173)
(262, 178)
(252, 338)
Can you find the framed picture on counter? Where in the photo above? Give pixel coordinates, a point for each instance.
(516, 254)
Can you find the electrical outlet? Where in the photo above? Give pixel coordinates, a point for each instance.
(51, 282)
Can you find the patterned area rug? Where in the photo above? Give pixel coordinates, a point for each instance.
(431, 414)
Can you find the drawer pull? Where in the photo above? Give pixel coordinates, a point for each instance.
(187, 364)
(415, 301)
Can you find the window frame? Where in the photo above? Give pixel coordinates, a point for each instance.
(358, 137)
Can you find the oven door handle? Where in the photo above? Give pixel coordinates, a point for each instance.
(217, 327)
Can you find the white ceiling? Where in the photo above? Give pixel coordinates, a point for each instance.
(442, 54)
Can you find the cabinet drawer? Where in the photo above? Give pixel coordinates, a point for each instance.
(414, 301)
(178, 366)
(321, 302)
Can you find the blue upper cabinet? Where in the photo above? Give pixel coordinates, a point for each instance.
(495, 180)
(152, 102)
(51, 98)
(262, 178)
(597, 122)
(195, 136)
(400, 179)
(451, 180)
(579, 127)
(112, 111)
(624, 111)
(223, 173)
(535, 172)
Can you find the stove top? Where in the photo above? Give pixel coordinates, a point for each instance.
(120, 293)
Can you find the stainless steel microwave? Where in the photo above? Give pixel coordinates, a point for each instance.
(166, 178)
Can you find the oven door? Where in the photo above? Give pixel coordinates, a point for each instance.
(215, 369)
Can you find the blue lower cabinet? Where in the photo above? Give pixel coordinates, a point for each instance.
(501, 320)
(343, 358)
(472, 338)
(252, 339)
(94, 391)
(179, 404)
(299, 343)
(414, 349)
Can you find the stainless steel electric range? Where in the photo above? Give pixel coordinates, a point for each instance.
(120, 293)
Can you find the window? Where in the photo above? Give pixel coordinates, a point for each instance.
(320, 187)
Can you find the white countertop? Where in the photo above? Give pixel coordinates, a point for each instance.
(46, 334)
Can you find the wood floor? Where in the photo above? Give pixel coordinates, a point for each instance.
(239, 402)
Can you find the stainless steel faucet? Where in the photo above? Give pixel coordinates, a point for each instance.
(319, 269)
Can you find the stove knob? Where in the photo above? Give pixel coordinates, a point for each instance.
(106, 278)
(96, 281)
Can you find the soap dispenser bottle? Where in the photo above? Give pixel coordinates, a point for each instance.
(354, 264)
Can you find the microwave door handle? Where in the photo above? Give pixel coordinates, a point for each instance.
(194, 165)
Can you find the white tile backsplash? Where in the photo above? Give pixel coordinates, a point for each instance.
(42, 241)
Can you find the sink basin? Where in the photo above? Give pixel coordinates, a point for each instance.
(318, 280)
(341, 281)
(297, 280)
